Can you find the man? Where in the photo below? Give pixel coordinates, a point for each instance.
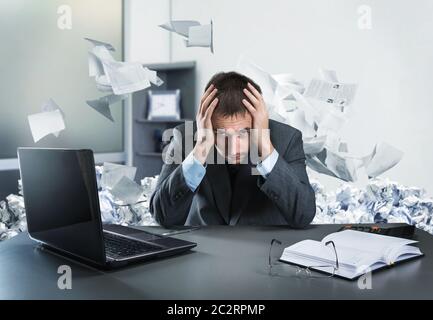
(231, 122)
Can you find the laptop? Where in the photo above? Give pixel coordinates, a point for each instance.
(63, 214)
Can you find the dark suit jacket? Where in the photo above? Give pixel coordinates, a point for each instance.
(285, 197)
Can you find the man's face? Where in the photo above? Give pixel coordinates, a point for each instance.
(232, 136)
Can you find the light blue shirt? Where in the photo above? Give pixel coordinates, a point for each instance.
(194, 171)
(265, 167)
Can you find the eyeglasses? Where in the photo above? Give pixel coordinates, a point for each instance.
(281, 269)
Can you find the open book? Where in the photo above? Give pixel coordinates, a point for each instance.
(358, 252)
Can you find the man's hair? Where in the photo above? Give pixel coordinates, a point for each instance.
(230, 93)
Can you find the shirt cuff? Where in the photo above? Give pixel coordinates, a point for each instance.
(193, 171)
(265, 167)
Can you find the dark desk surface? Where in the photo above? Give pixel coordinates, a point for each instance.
(228, 263)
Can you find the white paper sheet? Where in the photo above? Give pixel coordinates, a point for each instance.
(194, 34)
(180, 27)
(50, 105)
(383, 158)
(344, 168)
(153, 77)
(102, 105)
(315, 145)
(112, 173)
(96, 68)
(328, 75)
(115, 76)
(127, 191)
(200, 36)
(126, 77)
(45, 123)
(100, 43)
(340, 94)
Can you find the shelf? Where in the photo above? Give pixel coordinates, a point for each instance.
(179, 75)
(171, 66)
(162, 121)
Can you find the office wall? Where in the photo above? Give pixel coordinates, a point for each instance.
(43, 55)
(41, 59)
(391, 63)
(144, 40)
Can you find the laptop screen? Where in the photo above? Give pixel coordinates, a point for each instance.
(61, 200)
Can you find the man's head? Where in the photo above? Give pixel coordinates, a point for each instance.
(231, 120)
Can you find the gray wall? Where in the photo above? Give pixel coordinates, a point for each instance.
(38, 61)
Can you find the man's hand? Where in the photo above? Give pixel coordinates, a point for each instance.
(257, 108)
(205, 135)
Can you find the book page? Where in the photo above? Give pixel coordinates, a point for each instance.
(370, 242)
(316, 253)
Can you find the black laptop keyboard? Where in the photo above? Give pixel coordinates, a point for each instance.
(121, 247)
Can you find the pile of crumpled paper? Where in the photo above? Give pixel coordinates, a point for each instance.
(12, 217)
(115, 212)
(380, 201)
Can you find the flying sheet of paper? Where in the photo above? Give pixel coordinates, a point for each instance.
(312, 114)
(328, 75)
(96, 68)
(102, 84)
(343, 147)
(127, 191)
(194, 34)
(332, 121)
(341, 94)
(50, 105)
(266, 82)
(383, 158)
(126, 77)
(102, 105)
(112, 173)
(102, 54)
(200, 36)
(286, 85)
(314, 163)
(153, 77)
(45, 123)
(180, 27)
(100, 43)
(333, 141)
(342, 167)
(314, 145)
(296, 119)
(115, 76)
(277, 90)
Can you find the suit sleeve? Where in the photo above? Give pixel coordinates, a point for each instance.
(287, 185)
(171, 201)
